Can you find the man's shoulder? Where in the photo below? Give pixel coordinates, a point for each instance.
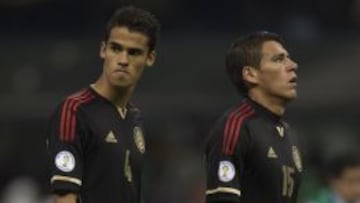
(240, 112)
(234, 118)
(81, 95)
(76, 100)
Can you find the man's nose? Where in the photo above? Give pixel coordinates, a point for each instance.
(292, 64)
(123, 58)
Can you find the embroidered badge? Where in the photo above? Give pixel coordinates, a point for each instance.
(65, 161)
(226, 171)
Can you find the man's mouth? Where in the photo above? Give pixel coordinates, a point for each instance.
(293, 80)
(121, 71)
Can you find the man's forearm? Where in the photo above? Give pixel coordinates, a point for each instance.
(67, 198)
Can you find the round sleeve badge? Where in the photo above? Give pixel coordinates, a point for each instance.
(65, 161)
(226, 171)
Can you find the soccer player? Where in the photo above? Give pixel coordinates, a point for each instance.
(251, 153)
(96, 136)
(342, 178)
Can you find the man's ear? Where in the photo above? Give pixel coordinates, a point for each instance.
(102, 49)
(151, 58)
(250, 74)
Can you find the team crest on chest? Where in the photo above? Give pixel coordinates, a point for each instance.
(139, 139)
(297, 158)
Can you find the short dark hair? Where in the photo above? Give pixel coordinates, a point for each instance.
(135, 19)
(246, 51)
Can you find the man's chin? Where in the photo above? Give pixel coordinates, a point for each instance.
(121, 84)
(290, 97)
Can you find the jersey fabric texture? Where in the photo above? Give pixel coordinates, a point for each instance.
(252, 157)
(94, 151)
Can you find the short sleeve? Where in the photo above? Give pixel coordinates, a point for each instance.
(65, 149)
(226, 149)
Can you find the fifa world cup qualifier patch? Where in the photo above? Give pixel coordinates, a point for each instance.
(226, 172)
(65, 161)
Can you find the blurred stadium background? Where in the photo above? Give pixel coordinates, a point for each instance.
(49, 48)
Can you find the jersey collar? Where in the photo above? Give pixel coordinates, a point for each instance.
(262, 110)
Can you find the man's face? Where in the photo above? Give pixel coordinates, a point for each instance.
(276, 76)
(126, 53)
(348, 184)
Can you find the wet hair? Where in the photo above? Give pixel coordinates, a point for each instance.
(135, 19)
(246, 51)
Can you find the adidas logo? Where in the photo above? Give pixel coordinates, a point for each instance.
(110, 138)
(280, 130)
(271, 153)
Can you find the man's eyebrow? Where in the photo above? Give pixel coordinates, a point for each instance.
(114, 43)
(280, 55)
(136, 49)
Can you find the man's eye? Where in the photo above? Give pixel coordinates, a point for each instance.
(278, 59)
(115, 48)
(135, 52)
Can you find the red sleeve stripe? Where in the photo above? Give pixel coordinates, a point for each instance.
(231, 149)
(233, 126)
(234, 123)
(73, 119)
(229, 122)
(66, 120)
(62, 119)
(68, 114)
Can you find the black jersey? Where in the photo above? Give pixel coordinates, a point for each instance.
(252, 157)
(95, 152)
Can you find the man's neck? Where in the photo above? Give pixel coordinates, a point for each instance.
(118, 96)
(274, 105)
